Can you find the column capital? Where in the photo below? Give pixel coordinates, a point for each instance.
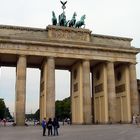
(132, 63)
(110, 61)
(85, 59)
(22, 55)
(45, 59)
(50, 57)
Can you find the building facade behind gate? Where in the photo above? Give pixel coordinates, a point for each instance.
(108, 61)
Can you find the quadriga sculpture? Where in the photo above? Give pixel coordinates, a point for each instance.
(80, 22)
(54, 19)
(62, 19)
(72, 22)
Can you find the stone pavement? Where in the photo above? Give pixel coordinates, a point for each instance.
(73, 132)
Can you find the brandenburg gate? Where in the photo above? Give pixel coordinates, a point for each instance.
(103, 72)
(108, 60)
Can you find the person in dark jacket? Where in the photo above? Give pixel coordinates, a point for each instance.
(55, 126)
(49, 126)
(44, 124)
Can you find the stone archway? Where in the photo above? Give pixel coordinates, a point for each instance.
(80, 52)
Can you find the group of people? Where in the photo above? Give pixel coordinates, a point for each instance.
(51, 125)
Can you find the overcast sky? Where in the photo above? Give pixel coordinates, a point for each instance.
(107, 17)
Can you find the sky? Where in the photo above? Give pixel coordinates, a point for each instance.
(106, 17)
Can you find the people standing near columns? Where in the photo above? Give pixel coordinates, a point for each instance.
(49, 126)
(44, 124)
(55, 126)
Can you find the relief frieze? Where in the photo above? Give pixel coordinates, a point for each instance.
(69, 34)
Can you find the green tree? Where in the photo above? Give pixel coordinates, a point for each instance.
(37, 115)
(29, 116)
(7, 113)
(62, 108)
(2, 109)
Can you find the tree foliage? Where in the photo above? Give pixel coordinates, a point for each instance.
(63, 109)
(4, 111)
(7, 113)
(37, 115)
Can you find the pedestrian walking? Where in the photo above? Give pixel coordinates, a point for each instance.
(55, 126)
(44, 125)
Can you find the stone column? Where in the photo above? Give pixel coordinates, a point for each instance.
(92, 99)
(128, 94)
(50, 85)
(20, 91)
(111, 92)
(71, 96)
(133, 90)
(41, 97)
(77, 93)
(87, 117)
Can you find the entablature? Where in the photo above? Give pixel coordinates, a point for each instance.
(64, 35)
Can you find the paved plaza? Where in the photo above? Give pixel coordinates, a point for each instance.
(73, 132)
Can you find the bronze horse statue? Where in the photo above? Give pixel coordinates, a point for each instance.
(81, 22)
(54, 19)
(72, 22)
(62, 19)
